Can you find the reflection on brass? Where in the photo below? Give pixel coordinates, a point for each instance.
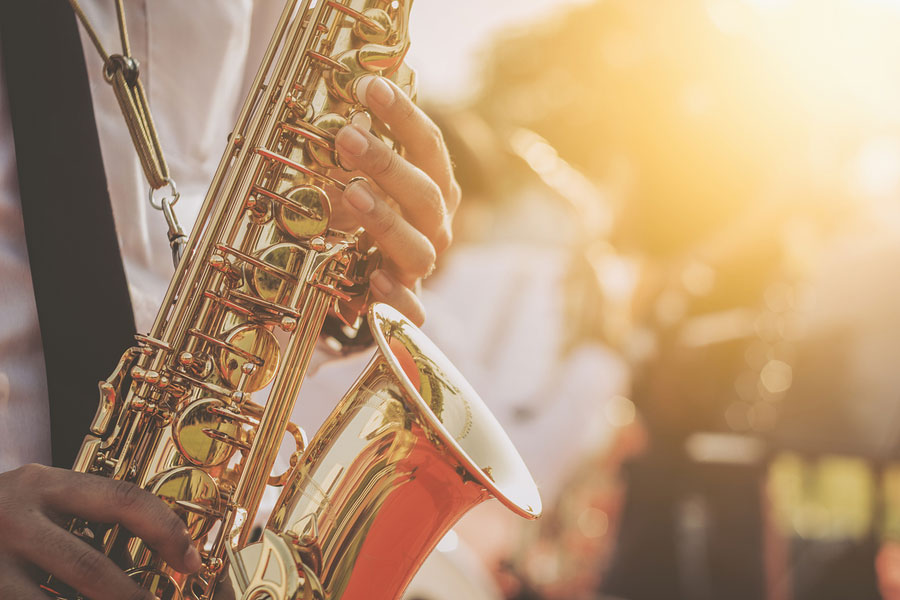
(192, 428)
(109, 391)
(376, 29)
(258, 342)
(329, 123)
(191, 486)
(264, 275)
(270, 284)
(313, 220)
(342, 81)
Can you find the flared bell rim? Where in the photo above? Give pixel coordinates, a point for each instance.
(517, 490)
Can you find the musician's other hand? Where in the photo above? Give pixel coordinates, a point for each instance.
(407, 203)
(35, 501)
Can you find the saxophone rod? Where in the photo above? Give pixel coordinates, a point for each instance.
(185, 302)
(276, 416)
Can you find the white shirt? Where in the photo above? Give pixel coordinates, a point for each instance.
(197, 59)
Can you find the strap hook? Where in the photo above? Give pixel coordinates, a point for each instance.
(173, 195)
(176, 235)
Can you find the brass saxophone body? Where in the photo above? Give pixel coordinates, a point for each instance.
(406, 452)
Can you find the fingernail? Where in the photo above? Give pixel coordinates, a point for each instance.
(359, 197)
(381, 282)
(380, 92)
(351, 141)
(192, 558)
(362, 88)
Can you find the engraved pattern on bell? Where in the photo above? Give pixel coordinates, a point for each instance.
(317, 212)
(192, 494)
(433, 385)
(192, 439)
(253, 340)
(272, 287)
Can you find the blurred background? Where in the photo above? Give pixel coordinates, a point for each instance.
(674, 281)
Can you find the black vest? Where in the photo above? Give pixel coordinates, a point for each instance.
(79, 283)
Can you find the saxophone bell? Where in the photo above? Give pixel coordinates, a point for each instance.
(407, 451)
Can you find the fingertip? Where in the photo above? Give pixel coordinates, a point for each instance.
(192, 559)
(453, 196)
(443, 238)
(385, 288)
(181, 551)
(378, 93)
(182, 555)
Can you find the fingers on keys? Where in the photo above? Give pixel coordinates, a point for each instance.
(32, 500)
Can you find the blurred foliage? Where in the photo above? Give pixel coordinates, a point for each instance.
(696, 106)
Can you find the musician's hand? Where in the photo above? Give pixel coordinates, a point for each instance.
(36, 500)
(408, 202)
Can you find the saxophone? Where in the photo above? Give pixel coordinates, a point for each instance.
(262, 278)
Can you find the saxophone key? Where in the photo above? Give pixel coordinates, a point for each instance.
(374, 26)
(207, 433)
(333, 291)
(330, 124)
(212, 388)
(199, 509)
(273, 280)
(146, 341)
(254, 344)
(303, 211)
(247, 356)
(230, 414)
(363, 18)
(194, 496)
